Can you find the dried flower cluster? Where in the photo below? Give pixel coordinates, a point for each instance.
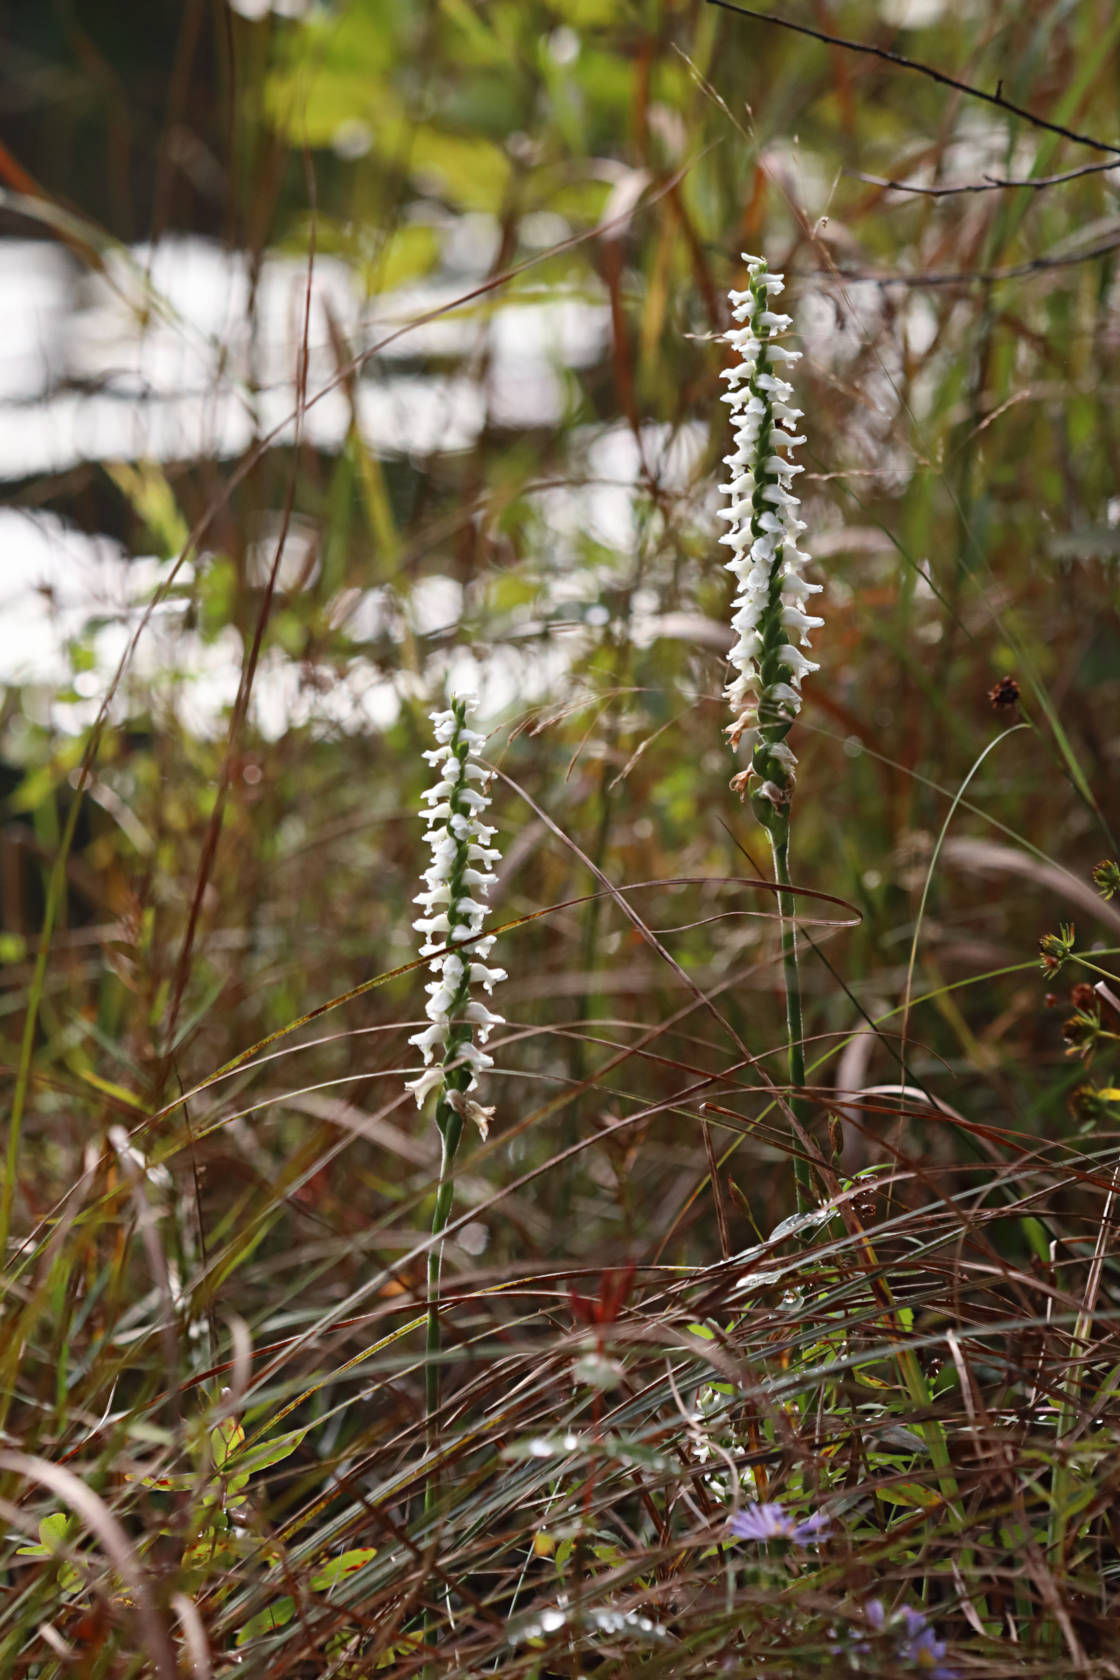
(454, 904)
(770, 621)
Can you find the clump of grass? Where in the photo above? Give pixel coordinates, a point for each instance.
(877, 1439)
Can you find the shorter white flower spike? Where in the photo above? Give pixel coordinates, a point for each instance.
(456, 883)
(763, 527)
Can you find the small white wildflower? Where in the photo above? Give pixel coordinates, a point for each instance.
(468, 1109)
(455, 886)
(763, 527)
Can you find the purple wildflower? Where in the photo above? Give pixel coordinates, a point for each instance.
(916, 1645)
(919, 1646)
(771, 1522)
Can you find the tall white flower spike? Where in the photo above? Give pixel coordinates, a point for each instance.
(769, 617)
(456, 883)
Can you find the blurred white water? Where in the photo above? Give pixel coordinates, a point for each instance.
(174, 354)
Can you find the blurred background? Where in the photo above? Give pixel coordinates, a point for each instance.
(354, 349)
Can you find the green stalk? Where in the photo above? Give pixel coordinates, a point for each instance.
(460, 867)
(778, 829)
(451, 1128)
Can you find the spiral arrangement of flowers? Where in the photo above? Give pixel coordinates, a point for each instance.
(769, 618)
(456, 883)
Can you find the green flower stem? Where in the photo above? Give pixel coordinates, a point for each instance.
(455, 905)
(778, 827)
(451, 1128)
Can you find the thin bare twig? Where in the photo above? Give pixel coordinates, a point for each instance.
(968, 276)
(990, 183)
(904, 63)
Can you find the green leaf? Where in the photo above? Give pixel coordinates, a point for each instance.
(210, 1550)
(340, 1567)
(53, 1530)
(912, 1495)
(225, 1440)
(276, 1616)
(246, 1464)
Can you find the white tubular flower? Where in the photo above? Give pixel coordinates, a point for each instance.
(763, 527)
(454, 900)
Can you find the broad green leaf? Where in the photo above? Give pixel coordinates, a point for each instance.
(340, 1567)
(210, 1550)
(276, 1616)
(53, 1529)
(52, 1534)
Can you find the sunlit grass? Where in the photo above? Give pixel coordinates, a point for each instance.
(219, 1198)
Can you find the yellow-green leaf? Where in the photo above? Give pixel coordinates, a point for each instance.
(225, 1440)
(340, 1567)
(268, 1452)
(912, 1495)
(276, 1616)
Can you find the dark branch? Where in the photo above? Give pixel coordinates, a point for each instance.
(990, 183)
(922, 70)
(965, 277)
